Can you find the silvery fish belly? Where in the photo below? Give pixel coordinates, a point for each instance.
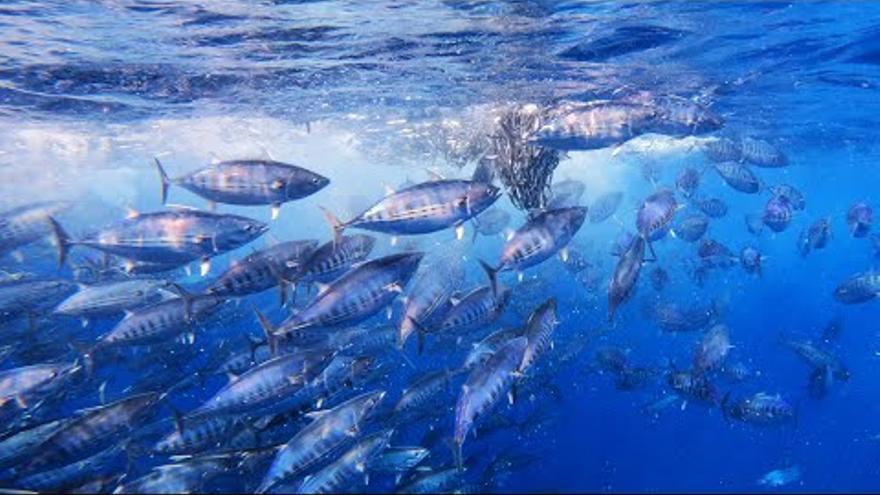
(26, 224)
(173, 236)
(249, 182)
(115, 297)
(541, 238)
(427, 207)
(357, 295)
(625, 276)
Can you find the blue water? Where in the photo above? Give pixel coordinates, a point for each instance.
(370, 94)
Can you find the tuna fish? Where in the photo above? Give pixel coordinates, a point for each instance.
(248, 182)
(605, 206)
(26, 224)
(566, 193)
(22, 384)
(625, 276)
(713, 349)
(687, 181)
(859, 218)
(711, 207)
(430, 294)
(424, 208)
(539, 330)
(483, 387)
(188, 476)
(816, 357)
(334, 258)
(738, 176)
(91, 431)
(263, 270)
(816, 236)
(777, 213)
(32, 297)
(267, 384)
(337, 476)
(671, 317)
(761, 408)
(794, 197)
(179, 236)
(116, 297)
(751, 260)
(659, 278)
(355, 296)
(491, 222)
(692, 386)
(654, 215)
(762, 154)
(859, 288)
(691, 228)
(540, 238)
(723, 150)
(328, 431)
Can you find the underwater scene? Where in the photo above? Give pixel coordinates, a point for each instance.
(405, 246)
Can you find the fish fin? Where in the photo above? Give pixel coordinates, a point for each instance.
(337, 226)
(492, 273)
(275, 211)
(563, 254)
(455, 448)
(21, 402)
(434, 175)
(165, 181)
(131, 213)
(178, 420)
(62, 240)
(421, 331)
(459, 232)
(269, 330)
(322, 287)
(474, 237)
(205, 266)
(388, 190)
(314, 415)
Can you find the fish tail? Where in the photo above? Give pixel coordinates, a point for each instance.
(62, 240)
(492, 273)
(455, 446)
(337, 225)
(165, 182)
(269, 330)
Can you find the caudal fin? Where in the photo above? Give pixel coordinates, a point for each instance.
(165, 181)
(62, 241)
(455, 448)
(492, 273)
(337, 225)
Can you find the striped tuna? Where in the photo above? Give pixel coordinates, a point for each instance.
(248, 182)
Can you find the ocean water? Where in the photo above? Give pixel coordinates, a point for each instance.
(373, 95)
